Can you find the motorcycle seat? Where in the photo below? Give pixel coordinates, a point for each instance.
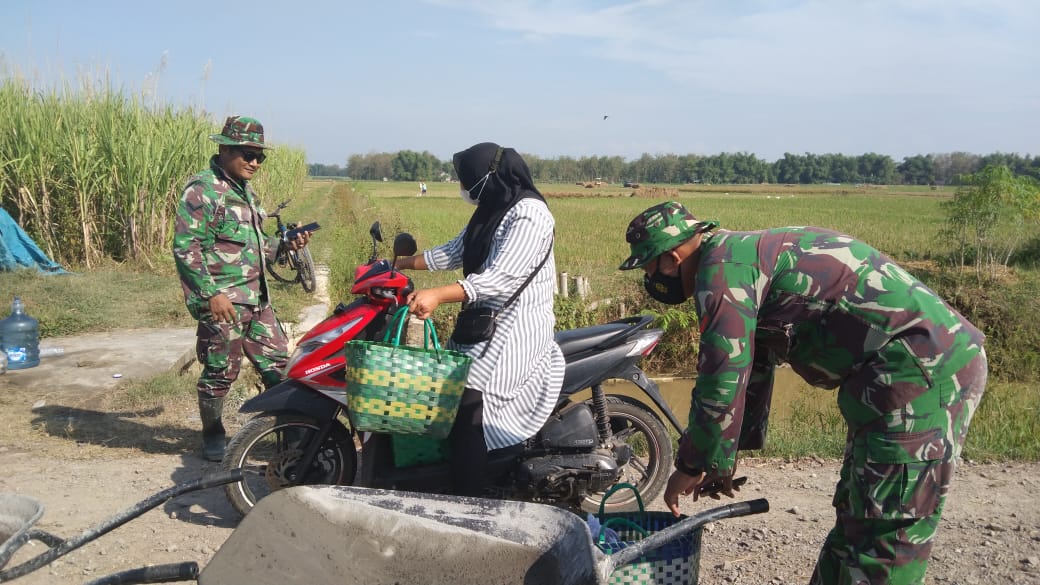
(577, 340)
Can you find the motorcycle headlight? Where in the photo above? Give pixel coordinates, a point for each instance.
(315, 343)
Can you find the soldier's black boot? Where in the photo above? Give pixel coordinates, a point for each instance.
(213, 436)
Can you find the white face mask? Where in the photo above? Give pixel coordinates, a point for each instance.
(467, 197)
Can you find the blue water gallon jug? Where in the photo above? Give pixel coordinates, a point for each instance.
(20, 338)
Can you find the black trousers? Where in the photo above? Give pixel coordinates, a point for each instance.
(469, 455)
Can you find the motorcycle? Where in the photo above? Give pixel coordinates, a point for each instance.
(300, 432)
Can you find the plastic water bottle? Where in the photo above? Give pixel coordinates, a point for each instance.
(20, 338)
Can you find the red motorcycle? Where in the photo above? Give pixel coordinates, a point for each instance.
(301, 434)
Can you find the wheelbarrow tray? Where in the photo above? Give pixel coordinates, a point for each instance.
(346, 535)
(350, 535)
(18, 514)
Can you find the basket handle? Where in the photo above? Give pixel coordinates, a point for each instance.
(602, 537)
(431, 335)
(430, 332)
(615, 488)
(399, 316)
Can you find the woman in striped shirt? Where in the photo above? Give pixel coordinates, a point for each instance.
(516, 376)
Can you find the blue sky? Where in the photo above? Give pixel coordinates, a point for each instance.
(336, 78)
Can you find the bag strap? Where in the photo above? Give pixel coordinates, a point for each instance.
(530, 277)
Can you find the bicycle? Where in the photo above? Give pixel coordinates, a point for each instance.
(288, 261)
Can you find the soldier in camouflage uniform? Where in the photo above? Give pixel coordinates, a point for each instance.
(221, 256)
(909, 370)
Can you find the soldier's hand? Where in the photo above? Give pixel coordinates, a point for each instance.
(680, 484)
(301, 240)
(726, 486)
(221, 308)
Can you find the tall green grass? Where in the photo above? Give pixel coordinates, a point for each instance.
(93, 172)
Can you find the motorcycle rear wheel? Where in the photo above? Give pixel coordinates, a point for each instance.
(651, 463)
(269, 447)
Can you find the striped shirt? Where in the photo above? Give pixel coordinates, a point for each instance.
(521, 374)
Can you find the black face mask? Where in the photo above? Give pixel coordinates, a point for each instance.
(665, 289)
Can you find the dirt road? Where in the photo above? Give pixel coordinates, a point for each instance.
(990, 533)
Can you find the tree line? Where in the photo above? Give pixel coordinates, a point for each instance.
(724, 168)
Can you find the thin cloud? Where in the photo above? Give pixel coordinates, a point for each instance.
(923, 47)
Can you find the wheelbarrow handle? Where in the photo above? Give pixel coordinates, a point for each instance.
(171, 573)
(631, 553)
(63, 547)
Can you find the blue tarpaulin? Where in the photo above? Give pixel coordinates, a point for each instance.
(18, 250)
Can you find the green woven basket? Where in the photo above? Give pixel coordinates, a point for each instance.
(410, 450)
(675, 563)
(394, 388)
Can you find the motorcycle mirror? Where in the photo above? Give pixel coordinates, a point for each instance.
(376, 237)
(404, 244)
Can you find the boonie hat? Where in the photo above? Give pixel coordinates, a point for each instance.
(659, 229)
(241, 131)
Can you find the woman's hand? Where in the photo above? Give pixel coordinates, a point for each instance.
(422, 303)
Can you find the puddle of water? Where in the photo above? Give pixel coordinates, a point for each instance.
(788, 389)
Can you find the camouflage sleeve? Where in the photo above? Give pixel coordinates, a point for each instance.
(727, 305)
(192, 237)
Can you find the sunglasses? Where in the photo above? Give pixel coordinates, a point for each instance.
(251, 155)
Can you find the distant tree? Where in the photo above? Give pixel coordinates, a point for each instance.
(370, 167)
(917, 170)
(321, 170)
(950, 167)
(408, 165)
(878, 169)
(991, 215)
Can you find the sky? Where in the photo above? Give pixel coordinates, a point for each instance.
(565, 77)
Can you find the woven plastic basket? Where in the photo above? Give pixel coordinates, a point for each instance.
(394, 388)
(675, 563)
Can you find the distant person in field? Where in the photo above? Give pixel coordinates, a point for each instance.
(908, 368)
(221, 255)
(422, 188)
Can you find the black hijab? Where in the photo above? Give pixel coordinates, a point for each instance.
(509, 181)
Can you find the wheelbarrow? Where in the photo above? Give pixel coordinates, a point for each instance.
(347, 535)
(18, 514)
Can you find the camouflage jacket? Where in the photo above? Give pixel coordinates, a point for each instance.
(822, 302)
(218, 243)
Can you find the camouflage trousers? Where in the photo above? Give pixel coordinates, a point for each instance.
(893, 484)
(256, 334)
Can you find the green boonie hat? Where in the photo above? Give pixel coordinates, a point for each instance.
(659, 229)
(241, 131)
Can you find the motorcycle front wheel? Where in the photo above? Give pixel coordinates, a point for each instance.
(268, 449)
(651, 463)
(305, 268)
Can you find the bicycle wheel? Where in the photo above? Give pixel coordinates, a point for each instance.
(283, 268)
(305, 270)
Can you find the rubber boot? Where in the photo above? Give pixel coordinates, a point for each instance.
(210, 410)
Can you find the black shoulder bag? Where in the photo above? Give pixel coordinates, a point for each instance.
(478, 324)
